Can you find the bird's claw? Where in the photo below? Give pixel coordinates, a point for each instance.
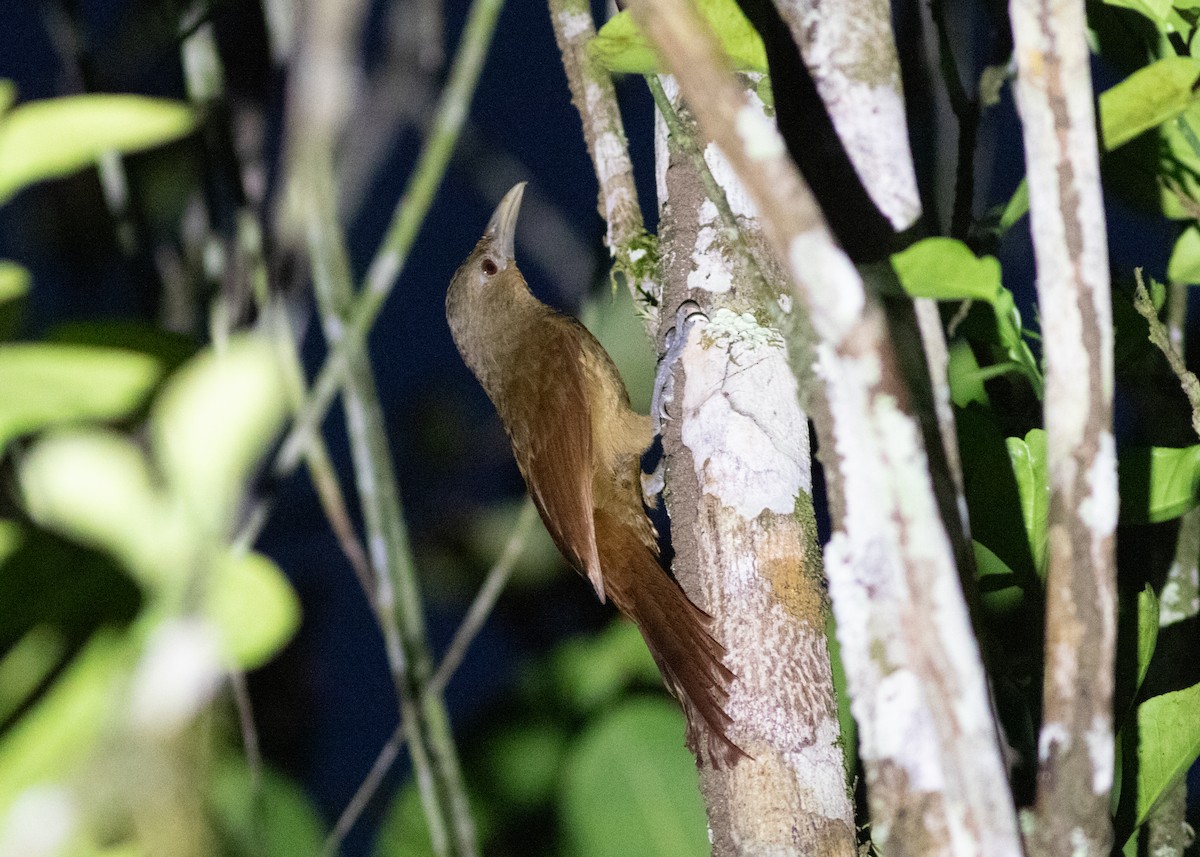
(675, 340)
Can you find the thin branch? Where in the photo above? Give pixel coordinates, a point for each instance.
(485, 599)
(407, 218)
(481, 608)
(1066, 208)
(911, 660)
(634, 251)
(1161, 338)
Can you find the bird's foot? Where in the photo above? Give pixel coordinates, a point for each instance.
(675, 341)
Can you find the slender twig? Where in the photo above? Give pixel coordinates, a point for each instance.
(485, 600)
(634, 251)
(1161, 338)
(407, 218)
(494, 583)
(966, 110)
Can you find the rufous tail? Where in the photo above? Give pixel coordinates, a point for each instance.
(676, 632)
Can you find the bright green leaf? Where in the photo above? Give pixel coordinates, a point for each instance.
(630, 787)
(999, 588)
(1147, 98)
(966, 378)
(947, 270)
(47, 139)
(212, 423)
(1016, 208)
(253, 607)
(26, 665)
(1157, 483)
(96, 488)
(590, 671)
(1155, 10)
(621, 47)
(1028, 458)
(43, 385)
(1184, 266)
(61, 730)
(1168, 744)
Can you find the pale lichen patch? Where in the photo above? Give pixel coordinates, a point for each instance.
(1099, 740)
(814, 258)
(1099, 508)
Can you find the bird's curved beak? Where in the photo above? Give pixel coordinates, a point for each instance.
(502, 228)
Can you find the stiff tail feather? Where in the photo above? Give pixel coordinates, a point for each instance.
(675, 631)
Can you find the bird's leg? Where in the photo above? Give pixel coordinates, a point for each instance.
(675, 341)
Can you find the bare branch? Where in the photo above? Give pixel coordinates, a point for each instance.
(929, 743)
(1075, 747)
(634, 251)
(1161, 338)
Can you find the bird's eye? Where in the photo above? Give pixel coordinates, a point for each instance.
(489, 267)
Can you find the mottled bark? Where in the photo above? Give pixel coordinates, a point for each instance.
(739, 491)
(1075, 747)
(935, 777)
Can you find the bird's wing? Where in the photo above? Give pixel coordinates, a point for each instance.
(557, 463)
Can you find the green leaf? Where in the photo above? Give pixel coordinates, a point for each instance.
(590, 671)
(1157, 483)
(47, 139)
(1155, 10)
(26, 665)
(43, 385)
(1028, 458)
(1147, 98)
(14, 286)
(947, 270)
(999, 586)
(1184, 266)
(1016, 208)
(254, 607)
(404, 831)
(630, 787)
(523, 763)
(621, 47)
(1147, 631)
(213, 422)
(966, 378)
(96, 488)
(1168, 744)
(8, 94)
(280, 821)
(61, 730)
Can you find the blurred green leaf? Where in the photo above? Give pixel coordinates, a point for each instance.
(1157, 483)
(947, 270)
(590, 671)
(8, 94)
(1028, 458)
(1016, 208)
(1155, 10)
(254, 607)
(60, 731)
(1147, 98)
(26, 665)
(630, 787)
(47, 139)
(404, 831)
(1168, 744)
(288, 825)
(169, 348)
(212, 423)
(14, 286)
(999, 586)
(1184, 265)
(965, 376)
(621, 47)
(490, 530)
(95, 487)
(523, 763)
(43, 385)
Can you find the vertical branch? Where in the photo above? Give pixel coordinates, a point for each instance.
(936, 780)
(739, 491)
(319, 89)
(1075, 747)
(634, 252)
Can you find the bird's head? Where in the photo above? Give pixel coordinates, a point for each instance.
(491, 262)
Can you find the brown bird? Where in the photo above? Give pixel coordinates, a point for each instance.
(578, 445)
